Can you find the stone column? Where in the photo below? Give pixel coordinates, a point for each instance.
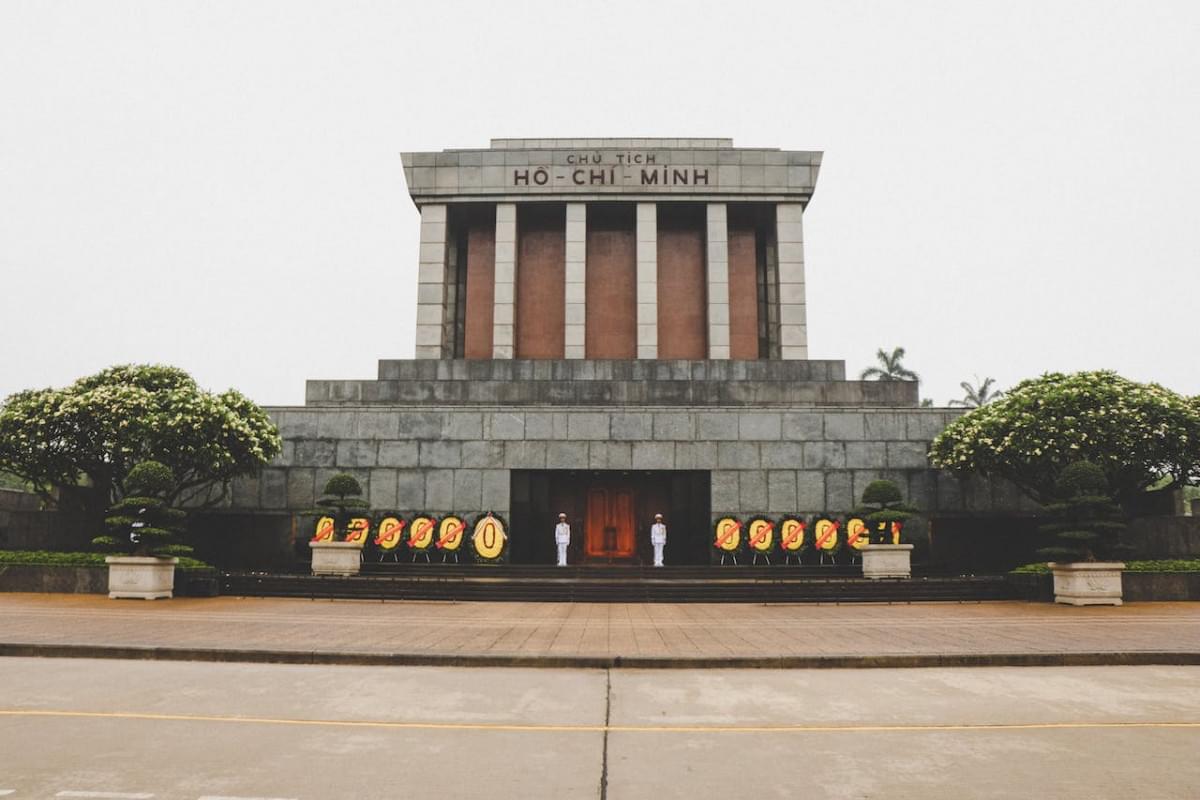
(576, 283)
(503, 332)
(647, 280)
(431, 283)
(717, 271)
(789, 233)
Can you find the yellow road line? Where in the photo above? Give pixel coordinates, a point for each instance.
(530, 728)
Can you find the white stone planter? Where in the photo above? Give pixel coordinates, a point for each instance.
(1088, 583)
(887, 561)
(140, 577)
(336, 558)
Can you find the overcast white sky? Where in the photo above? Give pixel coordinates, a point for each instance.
(1008, 188)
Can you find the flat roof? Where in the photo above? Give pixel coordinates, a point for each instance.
(632, 169)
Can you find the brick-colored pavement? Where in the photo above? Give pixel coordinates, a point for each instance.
(548, 630)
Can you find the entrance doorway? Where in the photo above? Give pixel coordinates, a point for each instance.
(608, 531)
(610, 513)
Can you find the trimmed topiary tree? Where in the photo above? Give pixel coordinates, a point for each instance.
(882, 506)
(341, 498)
(1085, 520)
(143, 523)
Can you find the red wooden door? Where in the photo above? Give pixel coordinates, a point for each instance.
(609, 524)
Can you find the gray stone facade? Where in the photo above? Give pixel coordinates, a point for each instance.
(771, 457)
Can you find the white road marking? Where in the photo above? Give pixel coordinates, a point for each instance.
(113, 795)
(4, 792)
(238, 797)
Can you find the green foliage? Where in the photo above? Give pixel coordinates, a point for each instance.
(144, 523)
(1040, 568)
(883, 504)
(94, 430)
(882, 492)
(890, 368)
(10, 481)
(150, 479)
(1136, 433)
(978, 395)
(47, 558)
(342, 485)
(1162, 565)
(1165, 565)
(1082, 478)
(1085, 521)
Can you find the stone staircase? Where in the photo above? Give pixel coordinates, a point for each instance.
(618, 584)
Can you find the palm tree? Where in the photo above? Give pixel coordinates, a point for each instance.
(975, 396)
(890, 368)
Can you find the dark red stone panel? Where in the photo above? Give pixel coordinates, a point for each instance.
(743, 293)
(611, 311)
(682, 291)
(541, 281)
(481, 286)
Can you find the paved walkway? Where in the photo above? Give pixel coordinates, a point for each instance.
(587, 634)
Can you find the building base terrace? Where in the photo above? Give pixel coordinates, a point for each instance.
(693, 440)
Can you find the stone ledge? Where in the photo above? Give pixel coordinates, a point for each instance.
(351, 658)
(610, 370)
(92, 580)
(520, 391)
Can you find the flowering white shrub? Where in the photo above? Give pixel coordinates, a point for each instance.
(1137, 433)
(95, 430)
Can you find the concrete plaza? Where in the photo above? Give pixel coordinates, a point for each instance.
(591, 635)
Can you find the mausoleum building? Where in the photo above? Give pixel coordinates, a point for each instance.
(611, 328)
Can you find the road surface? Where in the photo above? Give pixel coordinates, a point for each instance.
(181, 730)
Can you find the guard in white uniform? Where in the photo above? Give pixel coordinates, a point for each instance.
(658, 538)
(562, 538)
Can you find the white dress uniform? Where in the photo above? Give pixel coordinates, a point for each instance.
(562, 538)
(658, 538)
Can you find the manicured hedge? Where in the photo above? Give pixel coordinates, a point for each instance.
(1165, 565)
(46, 558)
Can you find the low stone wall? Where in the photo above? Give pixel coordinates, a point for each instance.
(66, 580)
(1164, 537)
(1147, 586)
(14, 500)
(1137, 587)
(261, 541)
(24, 526)
(93, 580)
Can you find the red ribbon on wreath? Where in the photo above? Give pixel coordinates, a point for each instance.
(789, 539)
(728, 534)
(763, 530)
(833, 529)
(852, 538)
(450, 534)
(416, 535)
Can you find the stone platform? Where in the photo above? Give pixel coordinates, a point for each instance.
(775, 436)
(578, 382)
(611, 584)
(600, 635)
